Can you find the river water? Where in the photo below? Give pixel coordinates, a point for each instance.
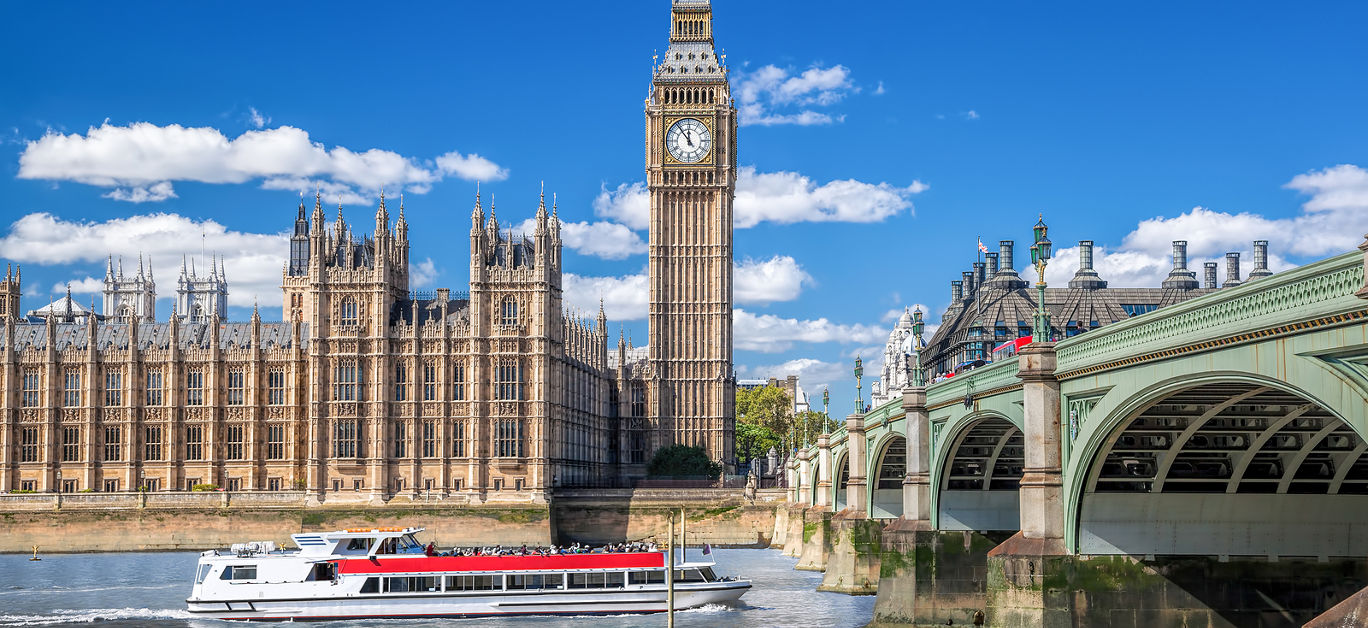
(149, 589)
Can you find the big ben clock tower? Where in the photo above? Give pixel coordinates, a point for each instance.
(691, 172)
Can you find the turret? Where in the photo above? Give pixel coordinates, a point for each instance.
(1209, 272)
(1232, 270)
(1180, 278)
(1086, 278)
(299, 243)
(1260, 261)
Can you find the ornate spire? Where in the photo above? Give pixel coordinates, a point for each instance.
(382, 214)
(477, 213)
(109, 268)
(140, 265)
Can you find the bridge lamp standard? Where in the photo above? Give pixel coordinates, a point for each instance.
(859, 395)
(826, 409)
(1040, 257)
(918, 326)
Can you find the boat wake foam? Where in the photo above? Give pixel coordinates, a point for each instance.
(88, 615)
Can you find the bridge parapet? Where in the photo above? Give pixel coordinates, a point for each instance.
(1281, 304)
(985, 380)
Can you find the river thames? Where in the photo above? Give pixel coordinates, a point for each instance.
(149, 589)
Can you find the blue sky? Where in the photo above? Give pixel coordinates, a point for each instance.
(878, 143)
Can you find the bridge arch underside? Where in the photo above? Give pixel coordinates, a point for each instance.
(841, 479)
(890, 468)
(1228, 469)
(978, 488)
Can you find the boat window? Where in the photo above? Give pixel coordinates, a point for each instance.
(372, 585)
(323, 571)
(411, 584)
(613, 580)
(473, 583)
(409, 545)
(363, 545)
(202, 573)
(239, 572)
(687, 575)
(591, 580)
(529, 582)
(647, 577)
(708, 574)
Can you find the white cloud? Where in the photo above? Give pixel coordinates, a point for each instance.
(767, 333)
(812, 373)
(82, 285)
(144, 154)
(772, 95)
(470, 167)
(629, 204)
(1332, 221)
(760, 282)
(252, 261)
(624, 298)
(257, 119)
(879, 91)
(423, 273)
(788, 197)
(155, 193)
(604, 240)
(971, 115)
(780, 197)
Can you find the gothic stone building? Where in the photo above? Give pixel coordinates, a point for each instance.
(367, 389)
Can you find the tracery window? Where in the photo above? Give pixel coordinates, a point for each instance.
(113, 444)
(458, 383)
(429, 381)
(275, 442)
(194, 442)
(508, 376)
(508, 438)
(113, 388)
(400, 439)
(275, 386)
(347, 312)
(154, 387)
(344, 439)
(235, 440)
(152, 442)
(32, 388)
(400, 381)
(458, 439)
(28, 445)
(429, 439)
(194, 387)
(71, 388)
(71, 444)
(508, 311)
(236, 379)
(345, 376)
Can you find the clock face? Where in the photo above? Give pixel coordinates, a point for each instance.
(688, 140)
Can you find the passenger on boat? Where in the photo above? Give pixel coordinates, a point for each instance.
(430, 550)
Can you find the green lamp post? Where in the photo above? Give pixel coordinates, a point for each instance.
(1040, 257)
(918, 326)
(859, 394)
(826, 408)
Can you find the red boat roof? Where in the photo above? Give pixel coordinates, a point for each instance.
(555, 562)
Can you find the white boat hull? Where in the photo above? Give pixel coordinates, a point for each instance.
(639, 599)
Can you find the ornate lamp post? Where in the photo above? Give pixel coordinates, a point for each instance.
(1040, 256)
(859, 395)
(918, 326)
(826, 409)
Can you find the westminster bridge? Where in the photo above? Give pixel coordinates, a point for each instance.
(1215, 440)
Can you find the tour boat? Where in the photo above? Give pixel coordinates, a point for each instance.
(386, 573)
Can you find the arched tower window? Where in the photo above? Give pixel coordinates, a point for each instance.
(347, 313)
(508, 311)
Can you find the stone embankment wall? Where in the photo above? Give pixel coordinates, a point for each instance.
(96, 522)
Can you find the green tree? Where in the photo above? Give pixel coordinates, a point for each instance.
(682, 460)
(754, 441)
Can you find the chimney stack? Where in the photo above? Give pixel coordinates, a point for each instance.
(978, 275)
(1260, 261)
(1232, 270)
(957, 292)
(1086, 278)
(1180, 278)
(1005, 262)
(1210, 268)
(967, 277)
(1006, 276)
(992, 259)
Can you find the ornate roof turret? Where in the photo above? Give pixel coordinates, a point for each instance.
(690, 56)
(381, 216)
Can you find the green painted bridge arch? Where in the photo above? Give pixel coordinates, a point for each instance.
(1230, 424)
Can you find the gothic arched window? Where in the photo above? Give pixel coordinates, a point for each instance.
(347, 315)
(508, 311)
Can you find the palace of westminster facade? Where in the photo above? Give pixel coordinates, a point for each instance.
(369, 389)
